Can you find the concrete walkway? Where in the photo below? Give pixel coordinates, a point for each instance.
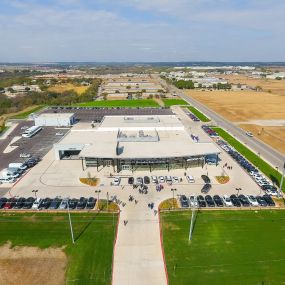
(138, 257)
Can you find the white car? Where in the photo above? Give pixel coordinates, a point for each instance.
(25, 155)
(227, 201)
(271, 192)
(168, 179)
(117, 181)
(193, 201)
(161, 179)
(252, 200)
(7, 180)
(139, 181)
(63, 205)
(154, 179)
(36, 204)
(249, 134)
(190, 179)
(24, 127)
(175, 179)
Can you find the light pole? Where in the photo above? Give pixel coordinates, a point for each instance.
(98, 192)
(35, 191)
(192, 219)
(107, 201)
(173, 190)
(282, 180)
(70, 223)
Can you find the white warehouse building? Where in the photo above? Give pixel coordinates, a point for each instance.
(55, 120)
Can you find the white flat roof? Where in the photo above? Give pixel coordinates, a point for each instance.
(55, 115)
(102, 144)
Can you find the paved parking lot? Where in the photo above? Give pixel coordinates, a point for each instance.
(88, 114)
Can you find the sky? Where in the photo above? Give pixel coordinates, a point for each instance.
(142, 30)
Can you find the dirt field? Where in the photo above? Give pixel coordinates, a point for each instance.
(244, 106)
(31, 266)
(275, 86)
(68, 86)
(274, 136)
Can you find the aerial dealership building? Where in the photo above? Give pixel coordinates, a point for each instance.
(134, 143)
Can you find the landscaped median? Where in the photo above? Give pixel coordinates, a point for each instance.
(143, 103)
(227, 247)
(263, 166)
(25, 114)
(198, 114)
(173, 102)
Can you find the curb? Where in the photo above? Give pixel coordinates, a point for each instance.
(115, 242)
(162, 249)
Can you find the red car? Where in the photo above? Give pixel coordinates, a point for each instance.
(10, 203)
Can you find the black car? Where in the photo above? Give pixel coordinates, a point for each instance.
(269, 200)
(201, 201)
(235, 200)
(206, 179)
(81, 203)
(55, 203)
(244, 201)
(218, 201)
(206, 188)
(20, 203)
(146, 180)
(29, 203)
(184, 201)
(3, 201)
(261, 201)
(45, 203)
(73, 203)
(131, 180)
(90, 203)
(209, 200)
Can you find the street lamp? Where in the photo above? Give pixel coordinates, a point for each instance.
(70, 223)
(173, 190)
(98, 192)
(35, 191)
(282, 180)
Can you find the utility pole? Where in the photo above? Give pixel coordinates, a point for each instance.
(173, 189)
(70, 223)
(107, 201)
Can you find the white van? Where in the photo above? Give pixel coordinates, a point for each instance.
(190, 179)
(19, 165)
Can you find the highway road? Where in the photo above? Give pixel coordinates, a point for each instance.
(272, 156)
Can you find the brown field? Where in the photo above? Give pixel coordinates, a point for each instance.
(275, 86)
(274, 136)
(31, 265)
(60, 88)
(244, 106)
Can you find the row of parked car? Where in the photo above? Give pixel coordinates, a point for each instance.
(193, 117)
(15, 170)
(226, 201)
(209, 131)
(256, 175)
(47, 203)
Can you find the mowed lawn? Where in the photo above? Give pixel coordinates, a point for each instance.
(171, 102)
(121, 103)
(89, 260)
(228, 247)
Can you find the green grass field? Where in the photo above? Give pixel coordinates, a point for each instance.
(228, 247)
(263, 166)
(90, 257)
(121, 103)
(25, 115)
(171, 102)
(198, 114)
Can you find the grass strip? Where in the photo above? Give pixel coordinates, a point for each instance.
(198, 114)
